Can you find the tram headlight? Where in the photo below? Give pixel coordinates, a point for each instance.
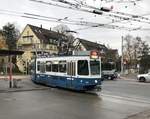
(96, 81)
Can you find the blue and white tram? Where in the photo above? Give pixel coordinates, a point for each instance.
(80, 73)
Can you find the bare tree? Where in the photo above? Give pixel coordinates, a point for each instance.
(65, 44)
(133, 48)
(63, 29)
(127, 50)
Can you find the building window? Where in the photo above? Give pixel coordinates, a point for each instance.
(55, 47)
(20, 47)
(51, 47)
(47, 46)
(27, 39)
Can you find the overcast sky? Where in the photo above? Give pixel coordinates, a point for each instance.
(101, 35)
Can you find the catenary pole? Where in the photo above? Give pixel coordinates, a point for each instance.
(122, 63)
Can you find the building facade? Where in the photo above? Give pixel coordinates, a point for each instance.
(3, 44)
(3, 59)
(34, 40)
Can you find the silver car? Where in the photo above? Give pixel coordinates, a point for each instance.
(144, 77)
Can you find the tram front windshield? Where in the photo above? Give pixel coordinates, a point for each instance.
(95, 67)
(83, 67)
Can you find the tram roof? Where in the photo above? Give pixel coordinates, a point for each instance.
(72, 57)
(64, 56)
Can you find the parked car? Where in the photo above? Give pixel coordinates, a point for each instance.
(144, 77)
(109, 74)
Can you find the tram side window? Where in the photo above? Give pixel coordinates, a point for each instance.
(62, 66)
(48, 66)
(83, 67)
(42, 67)
(55, 66)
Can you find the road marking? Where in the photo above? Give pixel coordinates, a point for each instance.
(138, 83)
(132, 82)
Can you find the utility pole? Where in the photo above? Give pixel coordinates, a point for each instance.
(10, 71)
(122, 63)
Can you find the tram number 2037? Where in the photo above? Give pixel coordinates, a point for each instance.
(80, 73)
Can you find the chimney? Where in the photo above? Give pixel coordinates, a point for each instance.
(41, 26)
(50, 29)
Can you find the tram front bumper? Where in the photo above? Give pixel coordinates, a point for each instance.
(92, 87)
(98, 87)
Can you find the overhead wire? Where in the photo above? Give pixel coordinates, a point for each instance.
(75, 7)
(132, 17)
(117, 15)
(59, 20)
(122, 1)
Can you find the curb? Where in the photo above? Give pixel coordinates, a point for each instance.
(22, 90)
(127, 78)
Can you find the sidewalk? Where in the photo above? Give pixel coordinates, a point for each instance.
(24, 83)
(141, 115)
(129, 76)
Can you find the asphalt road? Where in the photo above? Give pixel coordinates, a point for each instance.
(118, 100)
(127, 88)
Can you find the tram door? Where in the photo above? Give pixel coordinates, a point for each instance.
(71, 72)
